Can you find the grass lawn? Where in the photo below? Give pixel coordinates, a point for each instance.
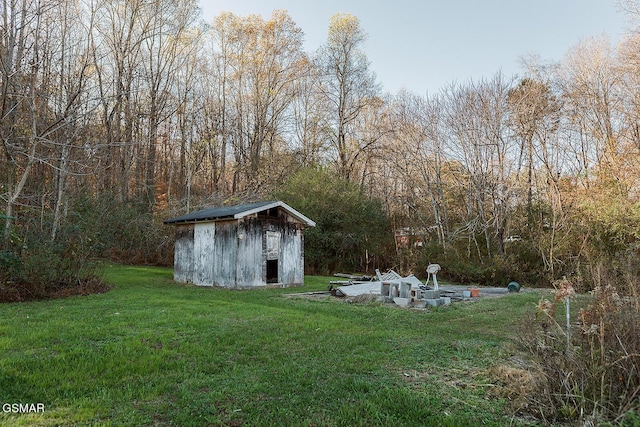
(152, 352)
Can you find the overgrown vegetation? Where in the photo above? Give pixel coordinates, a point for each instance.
(34, 265)
(592, 376)
(127, 233)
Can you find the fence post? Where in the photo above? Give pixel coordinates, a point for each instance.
(567, 303)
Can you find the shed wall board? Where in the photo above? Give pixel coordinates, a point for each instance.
(183, 254)
(251, 264)
(204, 253)
(291, 266)
(226, 246)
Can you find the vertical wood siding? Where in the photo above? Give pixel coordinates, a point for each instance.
(226, 246)
(251, 262)
(204, 253)
(291, 266)
(234, 254)
(183, 254)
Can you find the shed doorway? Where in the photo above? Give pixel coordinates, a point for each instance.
(272, 271)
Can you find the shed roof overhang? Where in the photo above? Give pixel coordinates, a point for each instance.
(237, 212)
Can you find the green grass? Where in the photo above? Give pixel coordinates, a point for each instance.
(152, 352)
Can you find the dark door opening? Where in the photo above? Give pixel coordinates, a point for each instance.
(272, 271)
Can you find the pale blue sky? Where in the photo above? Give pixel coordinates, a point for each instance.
(426, 45)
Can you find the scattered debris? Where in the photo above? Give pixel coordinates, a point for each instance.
(352, 280)
(354, 277)
(390, 275)
(409, 291)
(369, 288)
(391, 286)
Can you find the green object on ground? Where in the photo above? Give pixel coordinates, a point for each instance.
(513, 287)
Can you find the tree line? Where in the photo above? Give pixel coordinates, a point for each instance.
(115, 113)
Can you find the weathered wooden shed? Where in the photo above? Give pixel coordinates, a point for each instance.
(242, 246)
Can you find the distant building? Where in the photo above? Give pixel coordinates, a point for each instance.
(416, 237)
(243, 246)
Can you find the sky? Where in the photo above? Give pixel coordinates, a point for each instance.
(426, 45)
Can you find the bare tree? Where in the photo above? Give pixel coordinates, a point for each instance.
(164, 52)
(590, 84)
(259, 64)
(19, 68)
(534, 113)
(419, 157)
(348, 85)
(71, 68)
(307, 115)
(117, 40)
(45, 65)
(476, 135)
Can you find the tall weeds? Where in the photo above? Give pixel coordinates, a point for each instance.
(596, 378)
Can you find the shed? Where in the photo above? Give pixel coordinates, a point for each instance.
(242, 246)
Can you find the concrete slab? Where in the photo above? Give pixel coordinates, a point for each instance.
(368, 288)
(431, 294)
(413, 280)
(402, 302)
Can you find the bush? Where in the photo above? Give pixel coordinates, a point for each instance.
(38, 268)
(127, 232)
(352, 231)
(490, 273)
(33, 266)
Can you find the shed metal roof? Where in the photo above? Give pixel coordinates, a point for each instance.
(237, 212)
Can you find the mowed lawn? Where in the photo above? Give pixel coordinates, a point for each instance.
(153, 352)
